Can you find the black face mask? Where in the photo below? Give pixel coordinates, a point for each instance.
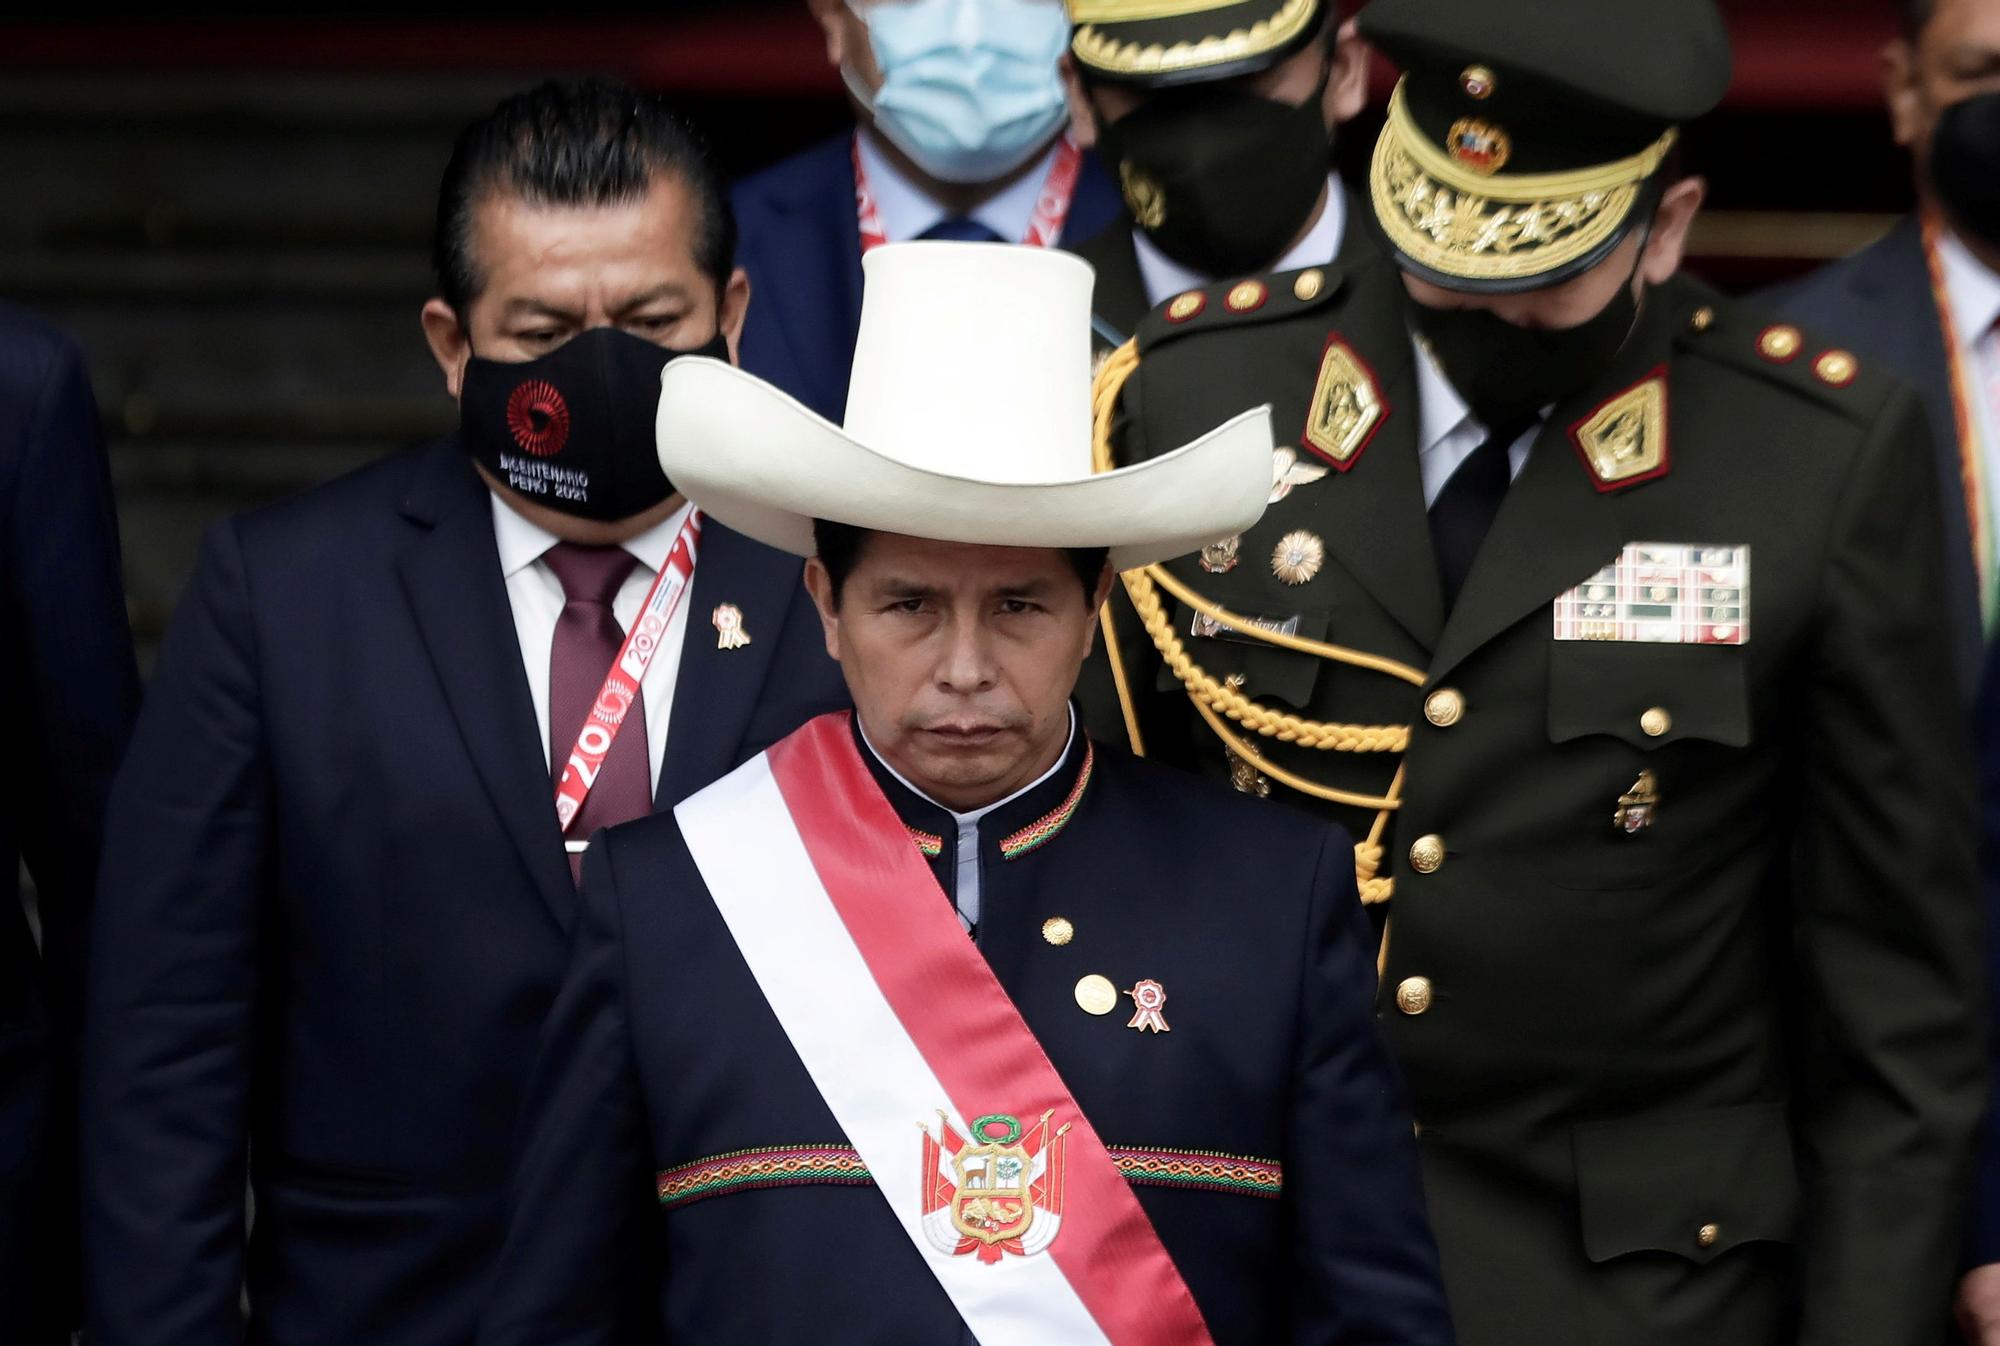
(1221, 179)
(1507, 373)
(1965, 165)
(574, 429)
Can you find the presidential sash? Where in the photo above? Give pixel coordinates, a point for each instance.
(994, 1173)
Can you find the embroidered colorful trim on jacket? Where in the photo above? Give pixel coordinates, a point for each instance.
(930, 843)
(1202, 1168)
(811, 1165)
(1039, 832)
(791, 1166)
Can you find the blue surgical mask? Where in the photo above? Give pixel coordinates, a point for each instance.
(970, 89)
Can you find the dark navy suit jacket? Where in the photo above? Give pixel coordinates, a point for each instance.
(70, 687)
(800, 242)
(662, 1053)
(1879, 303)
(335, 908)
(1985, 1241)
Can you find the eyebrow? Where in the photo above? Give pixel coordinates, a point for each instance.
(898, 589)
(537, 307)
(667, 290)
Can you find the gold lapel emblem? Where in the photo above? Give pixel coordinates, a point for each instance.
(1636, 805)
(729, 632)
(1625, 441)
(1287, 472)
(1347, 406)
(1298, 557)
(1219, 558)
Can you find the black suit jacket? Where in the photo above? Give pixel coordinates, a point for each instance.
(335, 907)
(662, 1052)
(801, 246)
(69, 682)
(1879, 302)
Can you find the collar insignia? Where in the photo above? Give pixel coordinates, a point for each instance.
(1347, 406)
(1624, 441)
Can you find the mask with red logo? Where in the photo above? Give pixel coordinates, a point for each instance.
(573, 430)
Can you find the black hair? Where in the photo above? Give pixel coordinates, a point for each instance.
(1915, 14)
(839, 546)
(575, 142)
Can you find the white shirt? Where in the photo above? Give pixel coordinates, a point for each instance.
(1973, 291)
(907, 212)
(1166, 278)
(1447, 431)
(967, 851)
(536, 596)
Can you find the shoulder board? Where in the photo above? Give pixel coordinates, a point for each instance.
(1241, 303)
(1782, 353)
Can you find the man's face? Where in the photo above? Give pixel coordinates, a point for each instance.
(1956, 56)
(960, 658)
(550, 272)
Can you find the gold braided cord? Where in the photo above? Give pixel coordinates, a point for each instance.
(1119, 680)
(1339, 654)
(1288, 779)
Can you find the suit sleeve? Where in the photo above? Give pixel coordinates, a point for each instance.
(74, 647)
(172, 987)
(582, 1259)
(1983, 1249)
(1887, 922)
(1365, 1266)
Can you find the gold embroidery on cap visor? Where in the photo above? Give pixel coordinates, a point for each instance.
(1449, 219)
(1106, 52)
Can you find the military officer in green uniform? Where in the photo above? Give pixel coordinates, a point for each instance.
(1218, 118)
(1683, 955)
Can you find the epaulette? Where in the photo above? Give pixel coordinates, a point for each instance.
(1241, 303)
(1783, 353)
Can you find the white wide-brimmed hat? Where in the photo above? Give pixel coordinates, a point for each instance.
(968, 420)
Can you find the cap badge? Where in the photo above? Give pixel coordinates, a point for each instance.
(1143, 197)
(1624, 441)
(1219, 558)
(1480, 146)
(1478, 82)
(1347, 406)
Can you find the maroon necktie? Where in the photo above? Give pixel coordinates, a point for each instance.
(587, 640)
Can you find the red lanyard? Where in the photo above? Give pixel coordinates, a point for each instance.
(1044, 228)
(628, 672)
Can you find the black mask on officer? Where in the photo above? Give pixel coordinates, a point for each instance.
(1507, 373)
(1965, 165)
(1221, 179)
(574, 429)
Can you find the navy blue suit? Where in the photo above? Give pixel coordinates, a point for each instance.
(335, 908)
(663, 1053)
(1879, 303)
(69, 683)
(800, 242)
(1984, 1245)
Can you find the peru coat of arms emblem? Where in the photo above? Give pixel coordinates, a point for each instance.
(995, 1193)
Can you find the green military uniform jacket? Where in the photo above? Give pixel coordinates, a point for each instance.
(1683, 956)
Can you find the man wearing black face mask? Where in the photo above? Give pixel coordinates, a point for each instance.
(1682, 958)
(1217, 118)
(338, 881)
(1925, 300)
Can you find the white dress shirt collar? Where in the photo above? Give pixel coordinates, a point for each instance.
(1447, 431)
(1166, 278)
(522, 543)
(908, 212)
(1972, 287)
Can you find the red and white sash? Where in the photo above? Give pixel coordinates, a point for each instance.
(915, 1047)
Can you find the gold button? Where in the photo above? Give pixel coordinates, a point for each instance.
(1656, 722)
(1707, 1235)
(1413, 995)
(1837, 369)
(1096, 995)
(1427, 855)
(1058, 931)
(1444, 707)
(1703, 319)
(1309, 284)
(1780, 344)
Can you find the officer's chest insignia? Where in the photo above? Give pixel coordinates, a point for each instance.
(1288, 473)
(1636, 805)
(1219, 558)
(1624, 442)
(1347, 408)
(1663, 593)
(995, 1193)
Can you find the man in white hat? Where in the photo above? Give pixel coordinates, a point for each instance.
(785, 1098)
